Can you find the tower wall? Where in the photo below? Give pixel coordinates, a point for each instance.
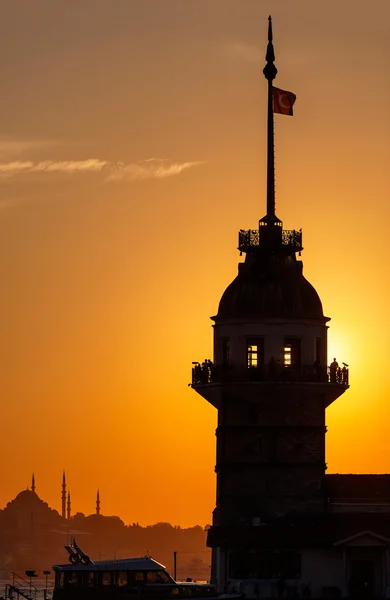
(270, 451)
(239, 332)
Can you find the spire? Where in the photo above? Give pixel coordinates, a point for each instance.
(33, 483)
(270, 72)
(63, 496)
(68, 505)
(98, 503)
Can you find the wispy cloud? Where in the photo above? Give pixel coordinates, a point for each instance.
(18, 167)
(152, 168)
(242, 51)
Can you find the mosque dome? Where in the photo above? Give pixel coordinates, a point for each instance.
(272, 287)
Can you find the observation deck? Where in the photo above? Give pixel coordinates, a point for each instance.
(250, 239)
(208, 373)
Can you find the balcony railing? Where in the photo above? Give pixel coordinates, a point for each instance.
(251, 238)
(207, 373)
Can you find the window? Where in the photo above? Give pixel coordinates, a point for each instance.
(287, 355)
(163, 577)
(136, 576)
(158, 577)
(255, 352)
(225, 351)
(59, 579)
(292, 352)
(121, 578)
(71, 578)
(106, 578)
(88, 579)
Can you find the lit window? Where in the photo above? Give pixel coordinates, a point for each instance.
(292, 352)
(252, 356)
(106, 578)
(287, 355)
(255, 353)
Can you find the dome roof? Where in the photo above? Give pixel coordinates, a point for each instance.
(271, 287)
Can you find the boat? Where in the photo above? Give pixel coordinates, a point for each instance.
(123, 579)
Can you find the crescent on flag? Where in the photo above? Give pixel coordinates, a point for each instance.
(283, 101)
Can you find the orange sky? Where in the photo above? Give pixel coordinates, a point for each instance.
(132, 150)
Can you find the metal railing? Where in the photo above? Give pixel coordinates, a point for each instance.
(250, 238)
(21, 587)
(207, 373)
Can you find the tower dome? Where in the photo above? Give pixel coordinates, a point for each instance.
(272, 286)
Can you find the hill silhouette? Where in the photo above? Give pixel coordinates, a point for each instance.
(33, 535)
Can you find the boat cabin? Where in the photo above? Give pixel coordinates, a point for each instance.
(121, 579)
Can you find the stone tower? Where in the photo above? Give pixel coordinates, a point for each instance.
(269, 383)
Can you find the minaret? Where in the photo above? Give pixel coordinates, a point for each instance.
(68, 505)
(63, 496)
(270, 385)
(33, 483)
(98, 503)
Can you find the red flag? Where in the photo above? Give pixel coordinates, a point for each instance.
(283, 101)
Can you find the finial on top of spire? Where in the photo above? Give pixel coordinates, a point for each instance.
(270, 71)
(270, 28)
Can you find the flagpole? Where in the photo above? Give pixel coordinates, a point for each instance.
(270, 72)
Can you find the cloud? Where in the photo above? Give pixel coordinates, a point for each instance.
(247, 52)
(17, 167)
(152, 168)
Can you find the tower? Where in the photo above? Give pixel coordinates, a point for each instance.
(63, 496)
(33, 483)
(270, 386)
(68, 505)
(98, 503)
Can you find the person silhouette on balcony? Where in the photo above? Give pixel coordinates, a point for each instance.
(198, 373)
(211, 370)
(333, 369)
(205, 371)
